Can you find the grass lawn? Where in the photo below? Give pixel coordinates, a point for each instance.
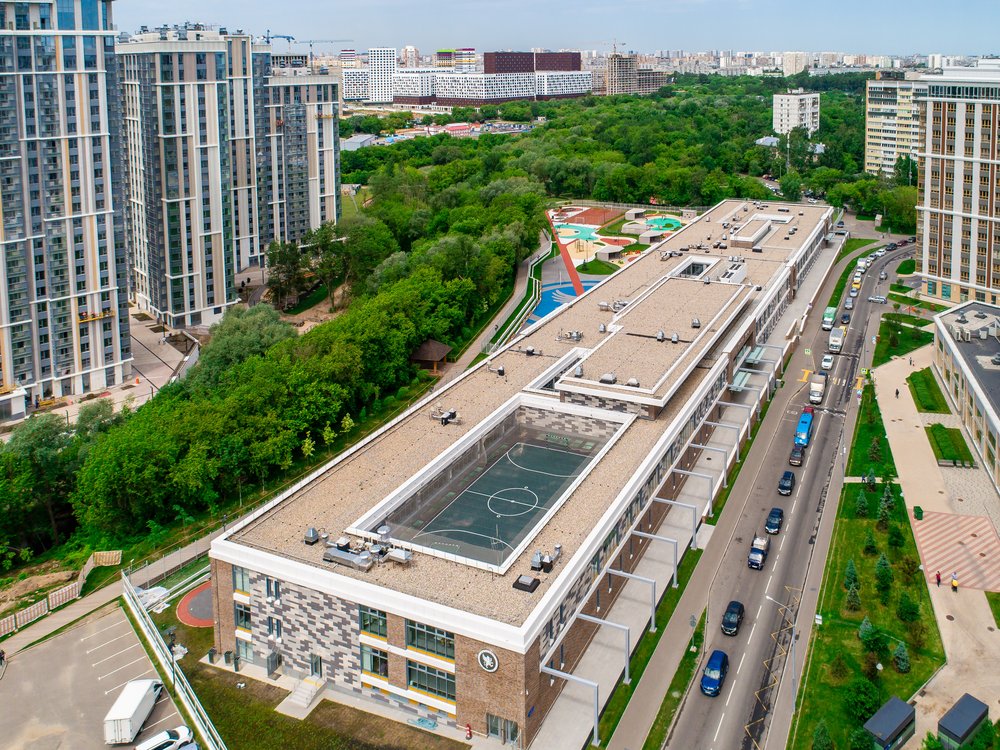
(246, 718)
(614, 228)
(836, 656)
(906, 340)
(948, 443)
(678, 687)
(869, 426)
(913, 302)
(900, 288)
(907, 267)
(852, 245)
(622, 693)
(597, 267)
(926, 393)
(912, 320)
(994, 599)
(317, 296)
(846, 274)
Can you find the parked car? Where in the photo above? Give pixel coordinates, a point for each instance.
(732, 618)
(891, 246)
(911, 238)
(846, 317)
(774, 520)
(848, 304)
(840, 224)
(170, 739)
(797, 455)
(883, 276)
(715, 672)
(878, 299)
(881, 251)
(786, 484)
(827, 362)
(853, 292)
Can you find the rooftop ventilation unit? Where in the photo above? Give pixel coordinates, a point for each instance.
(312, 536)
(695, 323)
(981, 315)
(383, 532)
(661, 336)
(602, 328)
(530, 351)
(526, 583)
(962, 319)
(400, 555)
(578, 372)
(632, 382)
(674, 338)
(609, 378)
(360, 561)
(604, 306)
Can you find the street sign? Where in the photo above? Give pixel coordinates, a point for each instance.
(809, 352)
(873, 339)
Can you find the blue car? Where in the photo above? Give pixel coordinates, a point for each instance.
(715, 673)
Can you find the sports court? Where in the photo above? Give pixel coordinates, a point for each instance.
(486, 505)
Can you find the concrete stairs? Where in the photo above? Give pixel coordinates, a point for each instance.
(306, 691)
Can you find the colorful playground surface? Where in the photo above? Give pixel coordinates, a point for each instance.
(578, 231)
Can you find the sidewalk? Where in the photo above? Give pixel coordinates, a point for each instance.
(968, 629)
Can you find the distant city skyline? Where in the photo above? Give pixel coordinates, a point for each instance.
(850, 26)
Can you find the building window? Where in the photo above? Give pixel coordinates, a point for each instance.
(372, 621)
(430, 680)
(273, 588)
(945, 291)
(244, 650)
(430, 639)
(242, 612)
(241, 579)
(932, 287)
(274, 627)
(374, 661)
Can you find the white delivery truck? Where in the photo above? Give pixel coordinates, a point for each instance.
(817, 385)
(836, 340)
(130, 711)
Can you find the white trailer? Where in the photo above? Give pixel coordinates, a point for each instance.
(817, 386)
(130, 711)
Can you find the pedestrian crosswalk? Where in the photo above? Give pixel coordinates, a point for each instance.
(965, 545)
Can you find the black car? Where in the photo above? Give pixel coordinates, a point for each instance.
(774, 521)
(797, 456)
(786, 484)
(845, 318)
(891, 246)
(912, 238)
(732, 619)
(840, 224)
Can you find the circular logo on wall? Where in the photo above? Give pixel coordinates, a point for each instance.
(488, 660)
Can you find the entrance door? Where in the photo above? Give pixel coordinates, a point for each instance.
(315, 665)
(504, 730)
(273, 662)
(494, 726)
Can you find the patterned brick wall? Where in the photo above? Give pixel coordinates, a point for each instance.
(222, 606)
(311, 623)
(569, 424)
(609, 404)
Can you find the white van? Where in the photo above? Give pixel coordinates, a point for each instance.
(130, 710)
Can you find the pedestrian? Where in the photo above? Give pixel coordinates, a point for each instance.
(954, 582)
(3, 657)
(897, 393)
(938, 577)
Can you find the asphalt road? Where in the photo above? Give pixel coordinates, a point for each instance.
(761, 653)
(55, 695)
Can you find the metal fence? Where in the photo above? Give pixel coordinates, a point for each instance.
(60, 596)
(172, 671)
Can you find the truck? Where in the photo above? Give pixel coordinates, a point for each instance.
(829, 318)
(804, 429)
(817, 386)
(130, 711)
(758, 552)
(836, 340)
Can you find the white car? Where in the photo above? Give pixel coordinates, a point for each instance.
(827, 362)
(880, 252)
(854, 291)
(169, 739)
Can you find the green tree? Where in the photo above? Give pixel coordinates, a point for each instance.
(883, 516)
(326, 257)
(861, 505)
(329, 434)
(821, 737)
(862, 699)
(871, 547)
(901, 658)
(346, 424)
(907, 610)
(896, 538)
(905, 171)
(242, 333)
(791, 187)
(367, 243)
(853, 601)
(851, 574)
(866, 629)
(875, 450)
(860, 739)
(286, 270)
(883, 574)
(308, 446)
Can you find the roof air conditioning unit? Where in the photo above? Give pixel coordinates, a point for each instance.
(609, 378)
(578, 372)
(602, 328)
(661, 336)
(311, 536)
(695, 323)
(632, 382)
(674, 338)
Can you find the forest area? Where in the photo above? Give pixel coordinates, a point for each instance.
(432, 255)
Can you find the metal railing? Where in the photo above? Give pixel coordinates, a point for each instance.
(172, 672)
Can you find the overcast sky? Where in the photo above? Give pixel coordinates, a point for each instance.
(865, 26)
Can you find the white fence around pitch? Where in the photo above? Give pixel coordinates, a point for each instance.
(172, 672)
(58, 597)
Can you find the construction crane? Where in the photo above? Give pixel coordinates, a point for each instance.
(269, 36)
(311, 42)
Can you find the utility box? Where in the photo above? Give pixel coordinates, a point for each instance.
(892, 725)
(959, 727)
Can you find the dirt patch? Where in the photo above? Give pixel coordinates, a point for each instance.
(320, 313)
(377, 729)
(142, 316)
(10, 595)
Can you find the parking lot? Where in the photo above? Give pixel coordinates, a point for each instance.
(55, 695)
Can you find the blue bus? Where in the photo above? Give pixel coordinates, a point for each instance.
(804, 430)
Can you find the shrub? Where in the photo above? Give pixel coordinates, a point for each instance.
(870, 668)
(896, 538)
(860, 739)
(838, 666)
(875, 450)
(862, 699)
(901, 658)
(851, 575)
(866, 629)
(883, 573)
(907, 610)
(883, 517)
(932, 743)
(908, 568)
(821, 737)
(918, 633)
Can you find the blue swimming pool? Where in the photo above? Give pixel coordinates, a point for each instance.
(576, 232)
(555, 295)
(663, 222)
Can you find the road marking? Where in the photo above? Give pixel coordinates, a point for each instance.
(171, 715)
(98, 648)
(109, 692)
(122, 667)
(732, 689)
(103, 629)
(805, 375)
(134, 645)
(758, 612)
(774, 563)
(768, 587)
(721, 718)
(741, 662)
(780, 545)
(753, 629)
